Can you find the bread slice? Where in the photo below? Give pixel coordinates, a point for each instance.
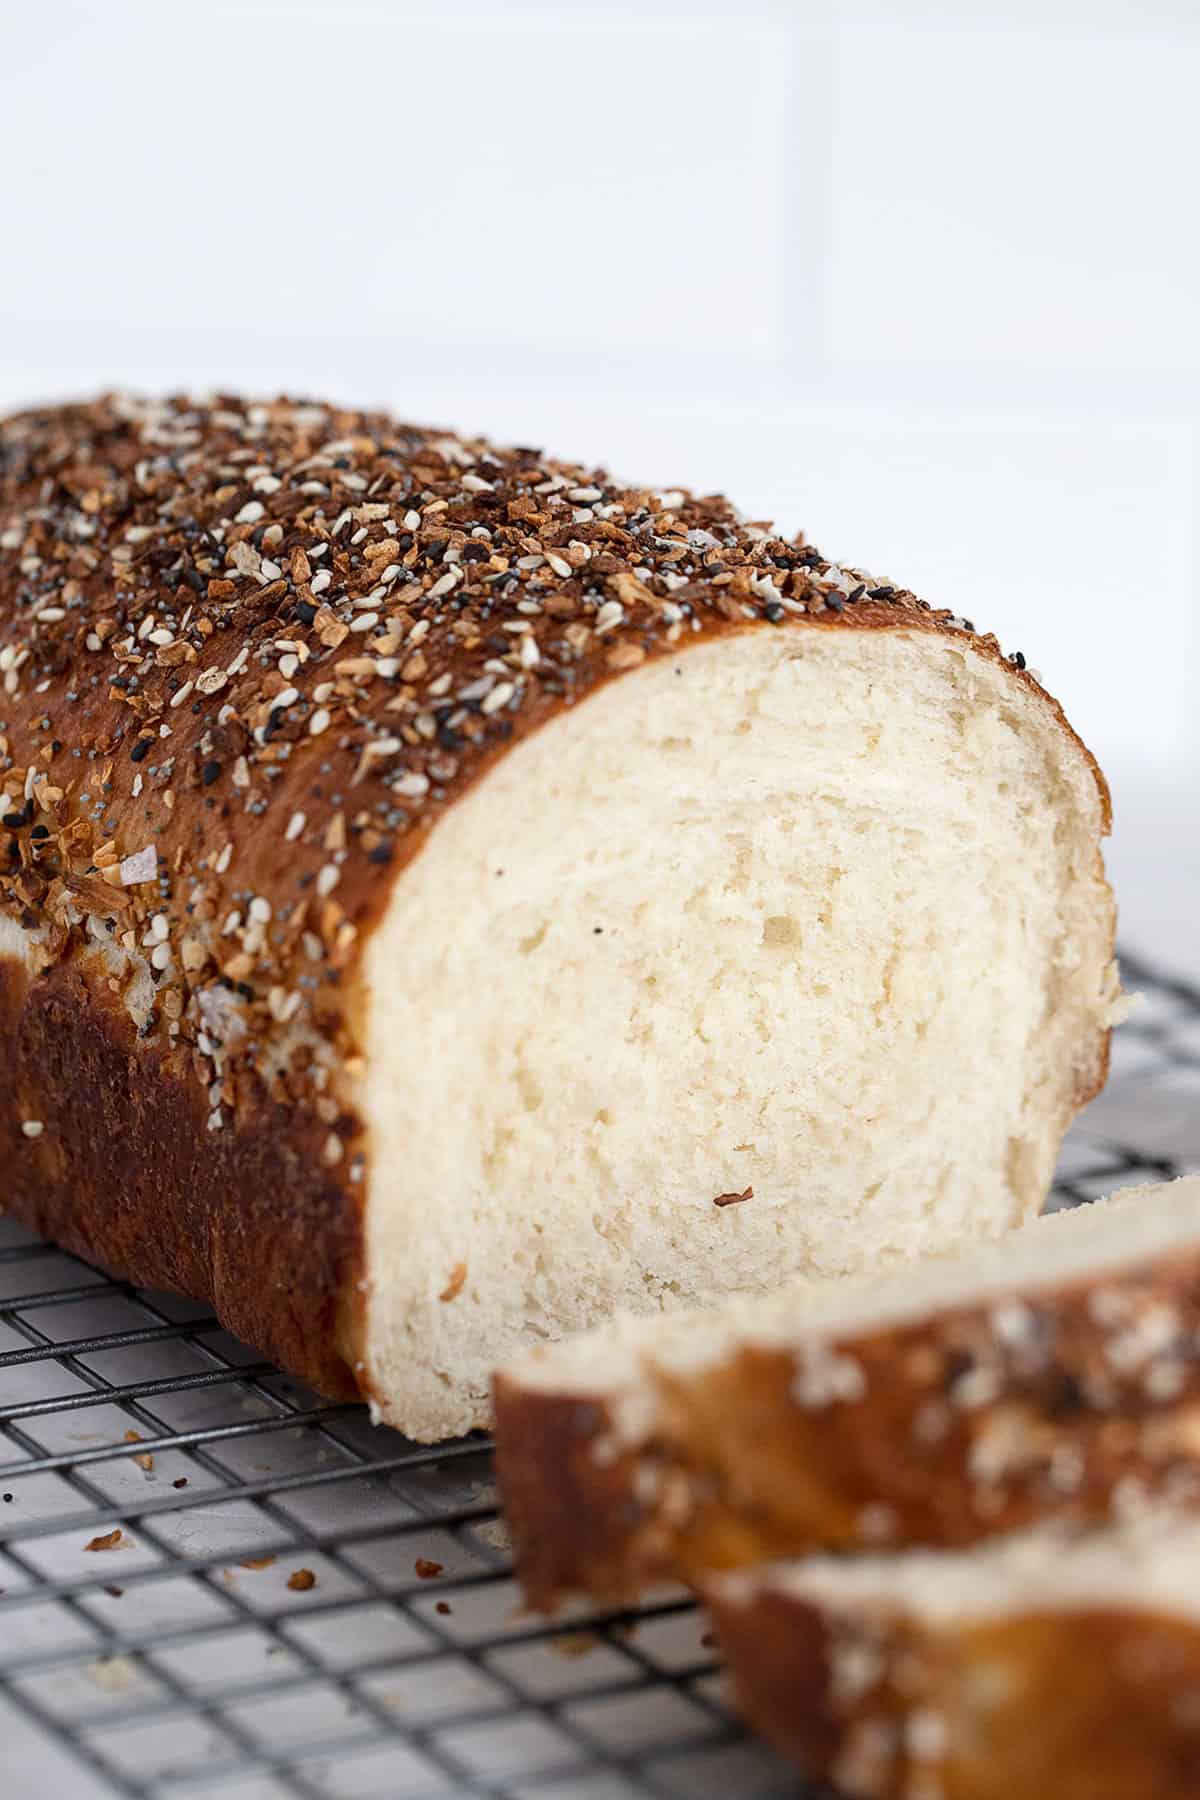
(437, 882)
(1036, 1667)
(938, 1404)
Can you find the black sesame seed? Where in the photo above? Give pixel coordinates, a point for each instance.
(305, 611)
(1018, 659)
(40, 831)
(141, 749)
(210, 772)
(382, 853)
(774, 611)
(882, 593)
(856, 593)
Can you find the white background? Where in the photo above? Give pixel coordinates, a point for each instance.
(921, 279)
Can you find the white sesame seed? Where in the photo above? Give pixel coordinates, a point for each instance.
(178, 699)
(366, 622)
(420, 630)
(160, 928)
(92, 641)
(260, 910)
(161, 637)
(160, 956)
(559, 564)
(475, 484)
(224, 860)
(270, 569)
(500, 695)
(51, 615)
(610, 614)
(285, 697)
(585, 495)
(32, 1128)
(250, 514)
(295, 827)
(240, 660)
(444, 584)
(411, 786)
(530, 655)
(411, 520)
(289, 664)
(328, 879)
(320, 581)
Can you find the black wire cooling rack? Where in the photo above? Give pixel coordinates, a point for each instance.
(215, 1583)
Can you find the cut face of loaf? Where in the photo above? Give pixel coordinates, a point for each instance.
(1037, 1665)
(470, 897)
(1042, 1375)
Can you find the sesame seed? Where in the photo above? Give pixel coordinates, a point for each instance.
(412, 786)
(260, 910)
(319, 722)
(328, 879)
(32, 1128)
(500, 696)
(250, 514)
(295, 827)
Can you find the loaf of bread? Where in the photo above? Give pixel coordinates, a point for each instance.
(1038, 1376)
(1031, 1668)
(446, 896)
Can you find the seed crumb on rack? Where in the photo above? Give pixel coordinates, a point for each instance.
(301, 1580)
(108, 1540)
(427, 1569)
(146, 1459)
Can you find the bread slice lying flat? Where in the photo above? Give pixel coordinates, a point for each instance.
(1035, 1667)
(447, 896)
(940, 1404)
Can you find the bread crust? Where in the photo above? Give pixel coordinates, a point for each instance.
(211, 766)
(941, 1431)
(1094, 1703)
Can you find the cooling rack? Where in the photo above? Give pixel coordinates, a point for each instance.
(213, 1583)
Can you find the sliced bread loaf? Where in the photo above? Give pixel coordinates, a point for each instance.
(435, 878)
(1036, 1667)
(938, 1404)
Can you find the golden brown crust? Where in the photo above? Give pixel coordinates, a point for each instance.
(125, 1173)
(1095, 1703)
(249, 655)
(944, 1431)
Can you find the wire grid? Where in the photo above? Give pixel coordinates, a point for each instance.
(195, 1658)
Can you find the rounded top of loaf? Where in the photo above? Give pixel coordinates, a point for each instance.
(250, 652)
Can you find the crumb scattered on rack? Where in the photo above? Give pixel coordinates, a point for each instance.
(108, 1540)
